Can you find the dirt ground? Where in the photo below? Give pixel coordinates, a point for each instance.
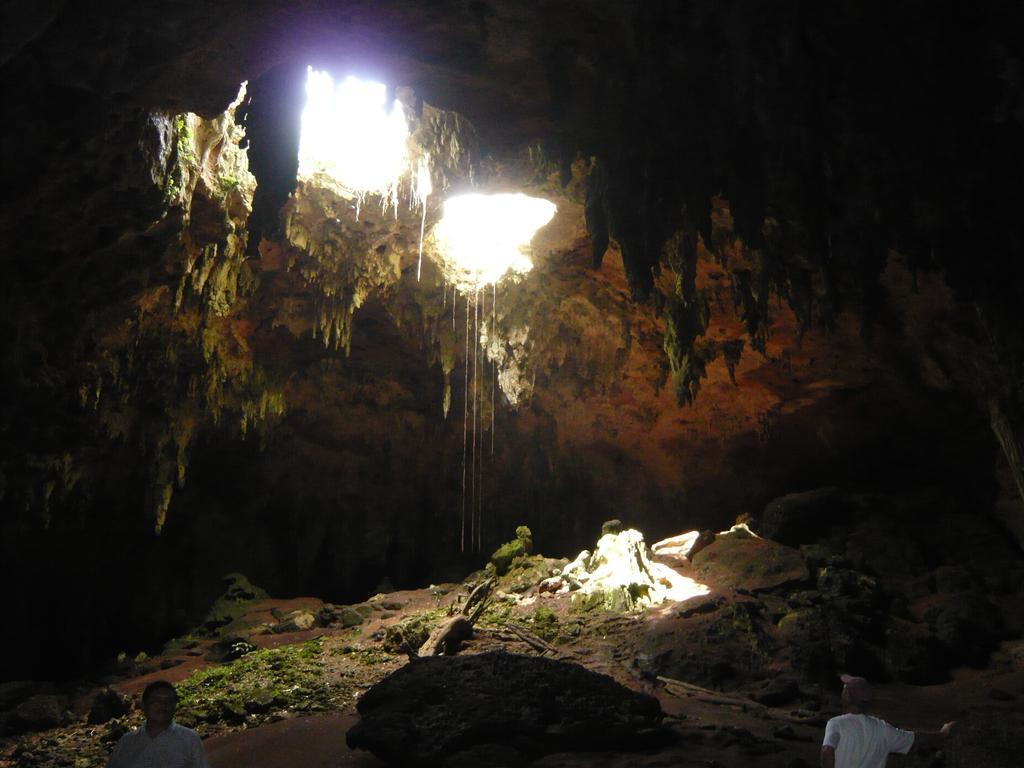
(723, 727)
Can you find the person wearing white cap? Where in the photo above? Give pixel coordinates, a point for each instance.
(859, 740)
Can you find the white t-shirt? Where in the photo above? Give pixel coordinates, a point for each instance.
(863, 741)
(176, 747)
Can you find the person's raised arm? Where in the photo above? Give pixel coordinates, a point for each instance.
(933, 739)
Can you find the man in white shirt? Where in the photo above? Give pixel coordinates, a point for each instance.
(858, 740)
(161, 742)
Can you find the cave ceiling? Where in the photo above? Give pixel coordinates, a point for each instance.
(786, 255)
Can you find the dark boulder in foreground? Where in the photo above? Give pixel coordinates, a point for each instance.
(515, 706)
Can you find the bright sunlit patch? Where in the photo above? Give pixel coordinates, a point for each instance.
(349, 134)
(482, 237)
(620, 572)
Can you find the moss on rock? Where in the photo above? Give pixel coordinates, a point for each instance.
(411, 632)
(520, 546)
(225, 614)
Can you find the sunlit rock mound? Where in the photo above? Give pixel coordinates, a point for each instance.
(500, 709)
(620, 576)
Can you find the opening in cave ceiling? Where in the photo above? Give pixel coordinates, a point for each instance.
(481, 238)
(354, 142)
(349, 136)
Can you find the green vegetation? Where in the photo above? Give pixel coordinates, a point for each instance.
(498, 612)
(520, 546)
(525, 572)
(411, 632)
(585, 602)
(290, 677)
(544, 623)
(184, 153)
(368, 657)
(227, 183)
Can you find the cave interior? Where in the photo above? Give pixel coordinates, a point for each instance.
(779, 285)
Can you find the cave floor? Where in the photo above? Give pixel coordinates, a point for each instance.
(712, 727)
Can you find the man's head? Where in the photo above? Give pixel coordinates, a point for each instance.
(856, 691)
(159, 700)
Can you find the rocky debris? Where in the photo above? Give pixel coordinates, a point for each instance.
(411, 632)
(724, 645)
(106, 705)
(342, 615)
(435, 708)
(741, 561)
(229, 649)
(531, 571)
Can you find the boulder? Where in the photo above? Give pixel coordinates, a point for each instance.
(913, 654)
(967, 625)
(440, 707)
(38, 713)
(800, 518)
(679, 550)
(749, 563)
(229, 649)
(529, 571)
(297, 621)
(106, 705)
(349, 617)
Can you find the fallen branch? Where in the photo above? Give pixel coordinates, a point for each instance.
(715, 697)
(447, 636)
(450, 634)
(531, 639)
(709, 696)
(479, 594)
